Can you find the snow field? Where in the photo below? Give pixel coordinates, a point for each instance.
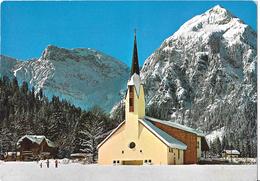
(31, 171)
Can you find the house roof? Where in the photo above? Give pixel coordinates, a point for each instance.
(163, 136)
(36, 139)
(50, 143)
(176, 125)
(233, 152)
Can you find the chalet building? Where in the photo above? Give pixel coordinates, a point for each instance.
(230, 154)
(145, 140)
(32, 147)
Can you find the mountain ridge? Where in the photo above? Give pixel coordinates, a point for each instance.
(79, 75)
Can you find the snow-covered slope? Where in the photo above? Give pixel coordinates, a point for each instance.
(31, 171)
(204, 75)
(85, 77)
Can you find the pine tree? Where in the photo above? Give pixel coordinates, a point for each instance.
(224, 143)
(216, 146)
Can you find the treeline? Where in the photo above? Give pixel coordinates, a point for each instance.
(245, 148)
(23, 111)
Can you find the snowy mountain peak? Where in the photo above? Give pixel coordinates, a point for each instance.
(216, 19)
(204, 75)
(219, 10)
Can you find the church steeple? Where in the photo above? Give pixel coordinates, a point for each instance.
(135, 64)
(134, 101)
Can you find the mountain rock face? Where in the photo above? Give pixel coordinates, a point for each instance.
(6, 65)
(204, 76)
(84, 77)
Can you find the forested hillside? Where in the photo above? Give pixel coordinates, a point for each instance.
(22, 111)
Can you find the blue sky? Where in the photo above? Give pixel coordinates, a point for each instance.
(28, 27)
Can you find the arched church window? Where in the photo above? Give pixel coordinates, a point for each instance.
(131, 98)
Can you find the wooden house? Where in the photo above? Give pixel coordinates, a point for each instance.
(32, 147)
(145, 140)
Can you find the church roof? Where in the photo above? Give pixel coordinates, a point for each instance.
(112, 132)
(135, 64)
(163, 136)
(176, 125)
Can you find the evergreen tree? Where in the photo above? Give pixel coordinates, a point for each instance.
(216, 146)
(92, 131)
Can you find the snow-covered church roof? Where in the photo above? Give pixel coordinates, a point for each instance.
(163, 136)
(176, 125)
(36, 139)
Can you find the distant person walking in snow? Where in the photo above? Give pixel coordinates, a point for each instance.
(56, 163)
(48, 163)
(41, 164)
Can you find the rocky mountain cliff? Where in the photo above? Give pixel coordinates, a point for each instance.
(204, 76)
(84, 77)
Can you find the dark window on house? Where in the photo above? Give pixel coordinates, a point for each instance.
(114, 161)
(198, 144)
(123, 152)
(117, 161)
(141, 151)
(150, 161)
(145, 161)
(179, 154)
(131, 98)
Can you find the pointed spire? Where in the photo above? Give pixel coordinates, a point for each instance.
(135, 64)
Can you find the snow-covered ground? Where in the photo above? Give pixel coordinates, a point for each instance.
(246, 161)
(31, 171)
